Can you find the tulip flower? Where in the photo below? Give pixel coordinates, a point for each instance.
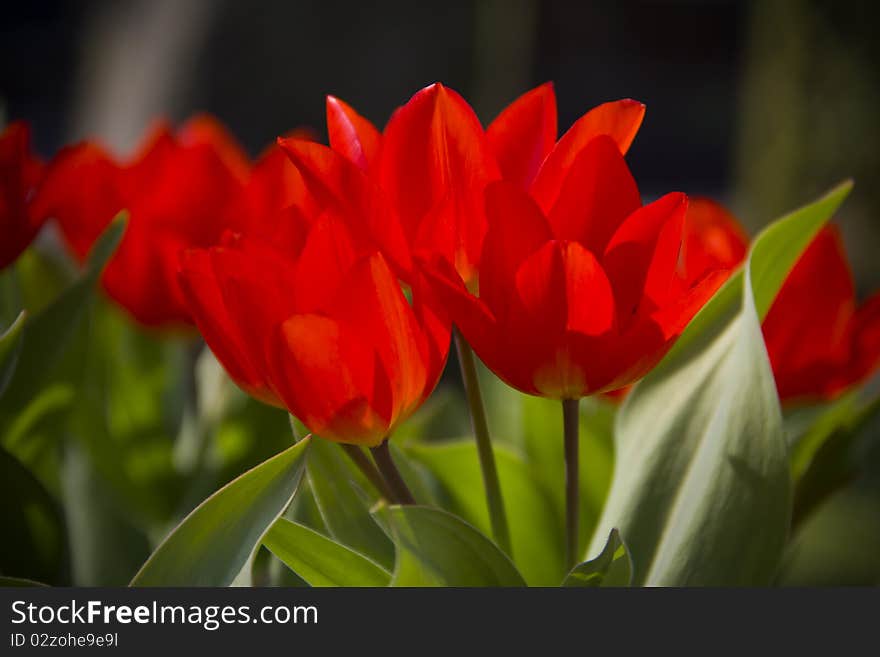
(819, 339)
(318, 325)
(179, 191)
(584, 299)
(20, 175)
(426, 176)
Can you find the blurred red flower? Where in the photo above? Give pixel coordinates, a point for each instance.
(20, 175)
(180, 190)
(820, 341)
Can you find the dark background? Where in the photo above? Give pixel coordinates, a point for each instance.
(763, 105)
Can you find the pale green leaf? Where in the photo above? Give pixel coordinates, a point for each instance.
(435, 548)
(536, 531)
(213, 543)
(319, 560)
(701, 491)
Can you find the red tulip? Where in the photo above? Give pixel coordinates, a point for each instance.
(20, 175)
(318, 325)
(180, 190)
(582, 296)
(820, 342)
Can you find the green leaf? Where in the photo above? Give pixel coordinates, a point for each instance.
(319, 560)
(212, 544)
(536, 534)
(332, 477)
(48, 333)
(34, 543)
(612, 567)
(701, 491)
(435, 548)
(10, 345)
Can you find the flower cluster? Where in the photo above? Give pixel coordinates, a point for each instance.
(326, 279)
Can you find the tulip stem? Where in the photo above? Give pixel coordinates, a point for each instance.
(369, 470)
(572, 487)
(382, 455)
(491, 484)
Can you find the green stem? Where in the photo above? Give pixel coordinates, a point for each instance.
(369, 470)
(382, 456)
(491, 483)
(572, 493)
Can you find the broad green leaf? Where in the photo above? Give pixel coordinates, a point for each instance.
(212, 544)
(701, 491)
(611, 568)
(48, 332)
(34, 537)
(319, 560)
(436, 548)
(10, 344)
(333, 479)
(536, 532)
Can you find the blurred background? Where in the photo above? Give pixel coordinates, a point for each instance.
(763, 105)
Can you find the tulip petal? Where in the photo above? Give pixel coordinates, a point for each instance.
(330, 379)
(432, 147)
(274, 184)
(220, 330)
(337, 184)
(598, 194)
(642, 256)
(351, 134)
(372, 303)
(810, 317)
(82, 192)
(713, 239)
(436, 330)
(620, 120)
(523, 134)
(326, 259)
(866, 341)
(589, 296)
(516, 230)
(204, 130)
